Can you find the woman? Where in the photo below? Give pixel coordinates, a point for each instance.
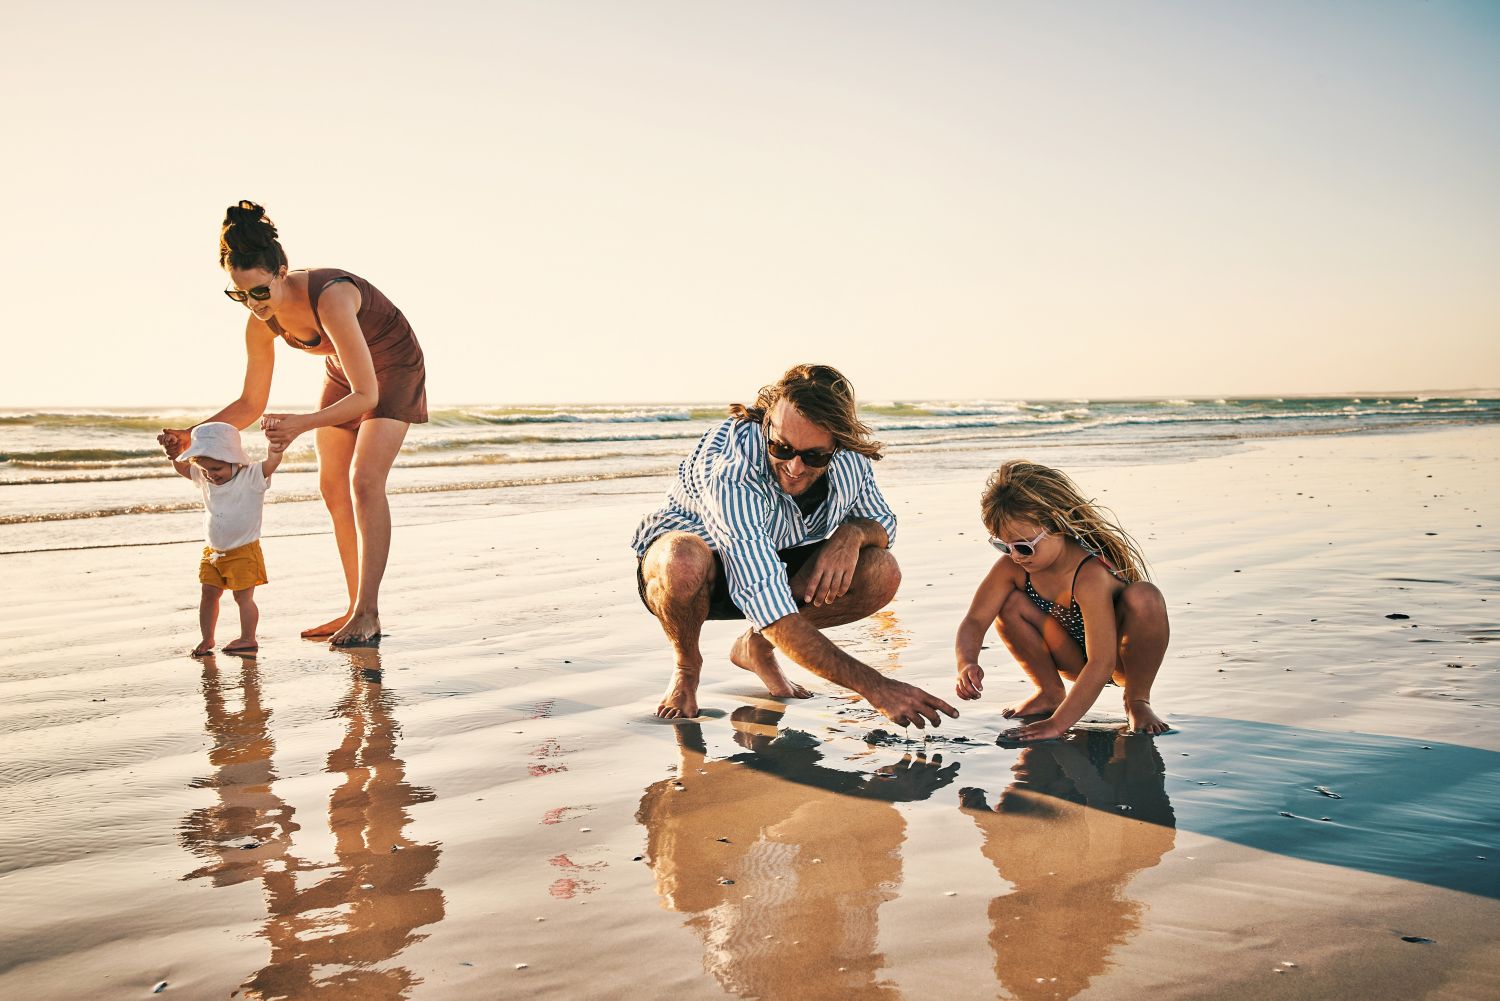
(375, 388)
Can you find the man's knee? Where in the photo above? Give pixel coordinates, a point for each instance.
(878, 574)
(679, 566)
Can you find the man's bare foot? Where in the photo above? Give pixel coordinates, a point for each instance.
(203, 649)
(1040, 704)
(360, 629)
(1143, 718)
(327, 629)
(680, 701)
(754, 653)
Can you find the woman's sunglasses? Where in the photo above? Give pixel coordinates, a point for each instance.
(812, 457)
(1025, 550)
(259, 293)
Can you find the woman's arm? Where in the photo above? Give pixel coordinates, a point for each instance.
(260, 361)
(983, 610)
(338, 312)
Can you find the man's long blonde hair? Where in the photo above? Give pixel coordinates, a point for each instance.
(822, 395)
(1030, 490)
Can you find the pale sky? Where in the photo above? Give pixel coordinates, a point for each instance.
(648, 200)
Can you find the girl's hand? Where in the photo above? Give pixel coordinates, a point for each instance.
(173, 441)
(282, 429)
(1047, 729)
(970, 682)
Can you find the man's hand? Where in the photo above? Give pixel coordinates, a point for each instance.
(970, 682)
(827, 576)
(906, 705)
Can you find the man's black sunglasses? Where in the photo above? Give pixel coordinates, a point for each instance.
(813, 457)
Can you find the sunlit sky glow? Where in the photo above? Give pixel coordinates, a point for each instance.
(674, 201)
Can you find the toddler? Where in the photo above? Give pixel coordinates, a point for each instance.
(234, 490)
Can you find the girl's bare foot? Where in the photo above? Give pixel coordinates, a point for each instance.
(1041, 703)
(327, 629)
(203, 649)
(360, 629)
(1143, 719)
(754, 653)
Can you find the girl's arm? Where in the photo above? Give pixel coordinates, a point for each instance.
(983, 610)
(1096, 599)
(184, 469)
(338, 312)
(260, 360)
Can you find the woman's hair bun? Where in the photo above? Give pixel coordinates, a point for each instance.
(248, 239)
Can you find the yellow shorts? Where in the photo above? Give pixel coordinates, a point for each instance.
(236, 570)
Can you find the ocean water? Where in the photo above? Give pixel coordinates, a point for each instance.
(74, 478)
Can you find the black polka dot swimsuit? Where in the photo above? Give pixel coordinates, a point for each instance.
(1071, 618)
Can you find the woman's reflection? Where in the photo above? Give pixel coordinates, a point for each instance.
(329, 924)
(782, 862)
(1084, 815)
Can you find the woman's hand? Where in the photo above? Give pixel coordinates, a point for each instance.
(173, 441)
(282, 429)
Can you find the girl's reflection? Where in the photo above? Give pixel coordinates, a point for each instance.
(1084, 815)
(328, 924)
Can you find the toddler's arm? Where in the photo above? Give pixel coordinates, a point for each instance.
(273, 459)
(1096, 601)
(982, 612)
(184, 469)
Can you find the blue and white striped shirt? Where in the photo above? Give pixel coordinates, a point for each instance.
(727, 495)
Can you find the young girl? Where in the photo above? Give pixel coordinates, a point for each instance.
(1069, 598)
(234, 491)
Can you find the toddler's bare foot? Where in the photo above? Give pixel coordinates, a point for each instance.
(680, 701)
(754, 653)
(327, 629)
(1143, 719)
(1041, 703)
(203, 649)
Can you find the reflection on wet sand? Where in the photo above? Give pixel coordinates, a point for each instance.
(781, 862)
(329, 924)
(1084, 815)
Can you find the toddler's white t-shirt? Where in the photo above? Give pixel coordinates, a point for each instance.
(232, 510)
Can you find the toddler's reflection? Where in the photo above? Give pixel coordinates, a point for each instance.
(329, 924)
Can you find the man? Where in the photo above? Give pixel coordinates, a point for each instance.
(776, 517)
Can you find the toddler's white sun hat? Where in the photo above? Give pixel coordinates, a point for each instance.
(216, 440)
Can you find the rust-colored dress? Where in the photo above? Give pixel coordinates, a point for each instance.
(400, 372)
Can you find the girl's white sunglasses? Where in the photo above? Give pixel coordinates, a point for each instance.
(1021, 549)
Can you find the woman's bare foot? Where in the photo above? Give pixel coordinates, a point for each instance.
(1041, 703)
(1143, 719)
(360, 629)
(327, 629)
(680, 701)
(242, 647)
(203, 649)
(754, 653)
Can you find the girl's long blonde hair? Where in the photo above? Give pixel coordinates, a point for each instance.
(1030, 490)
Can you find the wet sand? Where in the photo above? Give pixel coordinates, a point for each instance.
(485, 807)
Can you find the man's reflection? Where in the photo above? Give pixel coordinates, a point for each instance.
(782, 862)
(1084, 815)
(329, 924)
